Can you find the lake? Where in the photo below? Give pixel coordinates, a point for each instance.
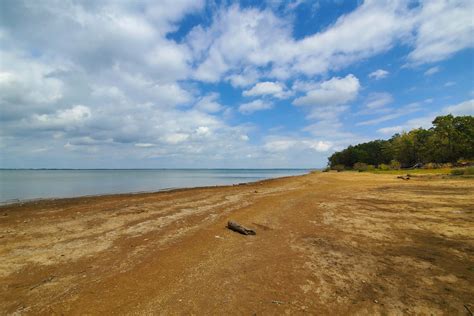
(34, 184)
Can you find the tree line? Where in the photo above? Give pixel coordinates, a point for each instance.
(450, 140)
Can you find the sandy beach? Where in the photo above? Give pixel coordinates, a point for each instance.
(326, 243)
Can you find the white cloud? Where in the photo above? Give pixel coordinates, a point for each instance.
(27, 83)
(284, 144)
(449, 84)
(256, 105)
(241, 38)
(336, 91)
(169, 61)
(250, 38)
(391, 130)
(394, 113)
(275, 89)
(247, 77)
(320, 146)
(326, 102)
(378, 100)
(209, 103)
(431, 71)
(203, 131)
(238, 37)
(62, 119)
(349, 39)
(379, 74)
(175, 138)
(463, 108)
(144, 145)
(142, 82)
(443, 28)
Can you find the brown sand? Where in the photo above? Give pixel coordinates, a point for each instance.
(327, 243)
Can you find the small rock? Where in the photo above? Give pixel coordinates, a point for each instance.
(376, 302)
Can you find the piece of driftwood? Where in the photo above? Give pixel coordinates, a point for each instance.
(240, 229)
(404, 178)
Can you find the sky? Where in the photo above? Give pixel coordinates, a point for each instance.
(224, 84)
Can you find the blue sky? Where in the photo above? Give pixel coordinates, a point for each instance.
(223, 84)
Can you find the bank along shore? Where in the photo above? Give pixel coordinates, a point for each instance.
(325, 243)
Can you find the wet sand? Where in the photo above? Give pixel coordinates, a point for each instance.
(326, 243)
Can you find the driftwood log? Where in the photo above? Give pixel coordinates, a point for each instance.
(240, 229)
(404, 178)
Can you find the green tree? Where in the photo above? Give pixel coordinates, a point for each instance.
(450, 139)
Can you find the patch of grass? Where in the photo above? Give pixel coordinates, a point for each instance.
(457, 172)
(469, 171)
(413, 171)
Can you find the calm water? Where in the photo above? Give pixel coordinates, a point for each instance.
(34, 184)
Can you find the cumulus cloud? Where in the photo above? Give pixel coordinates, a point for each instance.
(256, 105)
(326, 102)
(379, 74)
(125, 79)
(66, 119)
(443, 28)
(27, 84)
(256, 38)
(209, 103)
(333, 92)
(275, 89)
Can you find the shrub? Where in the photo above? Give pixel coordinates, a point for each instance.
(383, 166)
(431, 165)
(457, 172)
(464, 162)
(338, 168)
(360, 166)
(370, 167)
(395, 165)
(469, 171)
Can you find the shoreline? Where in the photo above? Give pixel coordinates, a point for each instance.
(325, 244)
(176, 189)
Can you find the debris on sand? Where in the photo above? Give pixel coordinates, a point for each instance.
(240, 229)
(407, 177)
